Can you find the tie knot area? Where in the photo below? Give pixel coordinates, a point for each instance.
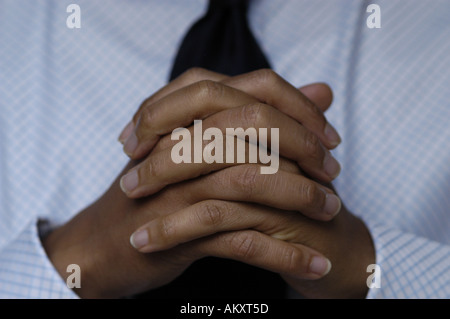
(240, 5)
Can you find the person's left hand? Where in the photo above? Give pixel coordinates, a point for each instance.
(345, 241)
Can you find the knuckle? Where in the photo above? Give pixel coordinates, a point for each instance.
(151, 168)
(194, 74)
(244, 245)
(167, 229)
(147, 117)
(253, 115)
(207, 89)
(267, 76)
(246, 179)
(293, 260)
(212, 213)
(309, 194)
(138, 113)
(313, 148)
(314, 110)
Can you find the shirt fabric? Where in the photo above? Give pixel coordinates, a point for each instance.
(65, 95)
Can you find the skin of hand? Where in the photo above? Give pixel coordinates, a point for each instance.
(260, 99)
(345, 240)
(348, 243)
(97, 239)
(344, 233)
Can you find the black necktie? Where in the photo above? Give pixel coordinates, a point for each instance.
(221, 41)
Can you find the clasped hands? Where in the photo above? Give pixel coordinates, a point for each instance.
(290, 222)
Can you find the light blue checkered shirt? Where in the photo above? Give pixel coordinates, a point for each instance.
(65, 94)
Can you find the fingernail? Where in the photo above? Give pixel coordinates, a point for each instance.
(129, 181)
(129, 128)
(332, 205)
(131, 144)
(320, 266)
(139, 239)
(332, 136)
(331, 165)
